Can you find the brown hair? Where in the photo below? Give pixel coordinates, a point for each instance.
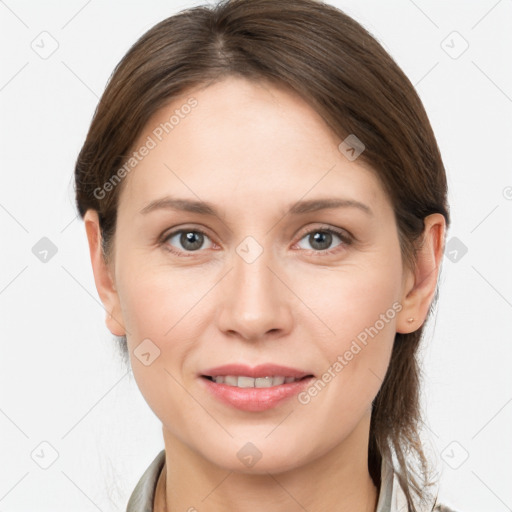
(337, 66)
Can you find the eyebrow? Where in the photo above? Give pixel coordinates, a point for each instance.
(300, 207)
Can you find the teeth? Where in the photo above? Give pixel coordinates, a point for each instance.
(241, 381)
(230, 380)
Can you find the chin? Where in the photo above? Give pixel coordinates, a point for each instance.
(259, 458)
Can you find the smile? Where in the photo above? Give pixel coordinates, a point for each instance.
(242, 381)
(249, 395)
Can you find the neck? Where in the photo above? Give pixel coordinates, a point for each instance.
(338, 480)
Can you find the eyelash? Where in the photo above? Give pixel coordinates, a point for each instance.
(344, 236)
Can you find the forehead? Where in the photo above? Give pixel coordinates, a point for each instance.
(246, 141)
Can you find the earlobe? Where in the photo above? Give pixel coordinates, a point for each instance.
(103, 276)
(420, 285)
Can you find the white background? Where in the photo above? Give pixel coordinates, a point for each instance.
(60, 379)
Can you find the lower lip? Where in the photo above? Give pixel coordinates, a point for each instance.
(255, 399)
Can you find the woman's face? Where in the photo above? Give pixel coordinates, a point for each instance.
(273, 279)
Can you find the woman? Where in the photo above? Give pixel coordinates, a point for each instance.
(266, 208)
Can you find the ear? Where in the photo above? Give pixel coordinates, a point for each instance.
(419, 286)
(103, 275)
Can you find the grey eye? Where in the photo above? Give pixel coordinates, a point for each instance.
(189, 239)
(320, 239)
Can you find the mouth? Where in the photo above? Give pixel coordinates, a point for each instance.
(262, 376)
(254, 389)
(244, 381)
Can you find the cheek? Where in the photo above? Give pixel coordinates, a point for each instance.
(357, 308)
(164, 313)
(350, 299)
(162, 325)
(161, 304)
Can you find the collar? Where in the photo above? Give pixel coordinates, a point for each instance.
(141, 499)
(391, 496)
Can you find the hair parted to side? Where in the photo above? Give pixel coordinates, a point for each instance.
(338, 67)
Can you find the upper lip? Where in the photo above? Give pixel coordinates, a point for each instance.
(262, 370)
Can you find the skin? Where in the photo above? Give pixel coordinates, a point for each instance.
(253, 150)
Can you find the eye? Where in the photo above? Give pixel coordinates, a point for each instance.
(193, 240)
(187, 240)
(320, 239)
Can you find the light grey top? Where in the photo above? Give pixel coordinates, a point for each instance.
(391, 495)
(141, 499)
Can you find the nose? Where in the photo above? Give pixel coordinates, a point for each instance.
(256, 302)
